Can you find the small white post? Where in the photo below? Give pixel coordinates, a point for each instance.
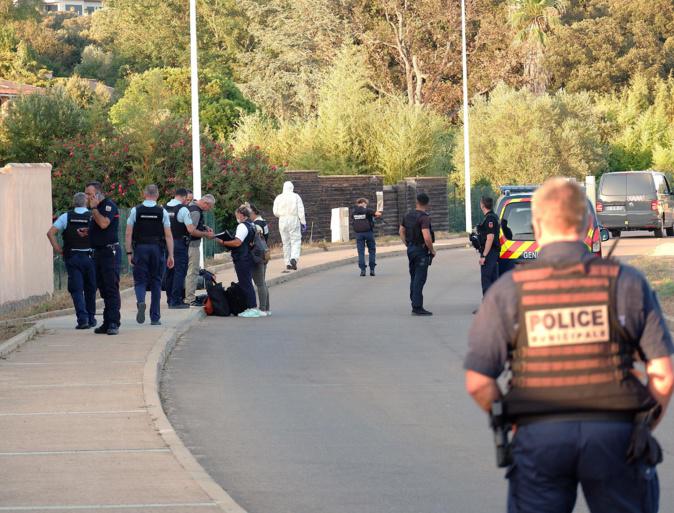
(591, 190)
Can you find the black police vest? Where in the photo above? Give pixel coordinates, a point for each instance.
(413, 234)
(178, 229)
(243, 250)
(265, 228)
(200, 225)
(100, 237)
(571, 355)
(483, 230)
(71, 239)
(361, 222)
(149, 225)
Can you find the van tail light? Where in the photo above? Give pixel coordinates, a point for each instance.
(654, 205)
(600, 206)
(596, 247)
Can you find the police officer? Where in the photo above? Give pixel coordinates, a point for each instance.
(417, 234)
(569, 328)
(488, 232)
(181, 222)
(76, 253)
(104, 239)
(362, 219)
(197, 209)
(148, 235)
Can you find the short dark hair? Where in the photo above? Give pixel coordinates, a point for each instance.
(423, 199)
(487, 202)
(181, 191)
(96, 185)
(189, 191)
(254, 209)
(362, 200)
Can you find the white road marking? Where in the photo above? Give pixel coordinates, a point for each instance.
(84, 451)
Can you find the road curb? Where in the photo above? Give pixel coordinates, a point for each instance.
(17, 341)
(159, 355)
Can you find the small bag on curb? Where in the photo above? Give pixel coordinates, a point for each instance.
(217, 301)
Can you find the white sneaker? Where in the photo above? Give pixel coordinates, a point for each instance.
(251, 313)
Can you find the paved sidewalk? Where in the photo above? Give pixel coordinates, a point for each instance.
(76, 430)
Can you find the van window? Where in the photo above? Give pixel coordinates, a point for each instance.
(639, 184)
(517, 217)
(661, 184)
(614, 185)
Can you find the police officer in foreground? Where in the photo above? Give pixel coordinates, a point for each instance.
(104, 240)
(417, 234)
(148, 242)
(181, 223)
(569, 328)
(362, 219)
(488, 232)
(76, 253)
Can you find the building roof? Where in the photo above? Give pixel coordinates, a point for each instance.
(9, 88)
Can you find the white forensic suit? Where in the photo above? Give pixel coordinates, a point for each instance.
(288, 207)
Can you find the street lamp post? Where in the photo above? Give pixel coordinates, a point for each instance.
(466, 124)
(196, 143)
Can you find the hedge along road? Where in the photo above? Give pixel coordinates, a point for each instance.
(341, 401)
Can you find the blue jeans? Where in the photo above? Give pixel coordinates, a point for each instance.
(366, 239)
(244, 273)
(108, 262)
(175, 278)
(148, 269)
(419, 259)
(550, 460)
(82, 285)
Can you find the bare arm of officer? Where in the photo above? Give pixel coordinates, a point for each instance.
(129, 246)
(661, 381)
(192, 230)
(234, 243)
(482, 389)
(168, 236)
(403, 234)
(51, 235)
(428, 239)
(102, 221)
(489, 243)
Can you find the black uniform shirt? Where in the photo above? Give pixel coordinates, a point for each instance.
(495, 325)
(490, 225)
(98, 236)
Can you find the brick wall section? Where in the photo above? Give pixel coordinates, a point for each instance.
(321, 194)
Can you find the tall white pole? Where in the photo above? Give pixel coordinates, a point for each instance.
(466, 124)
(196, 142)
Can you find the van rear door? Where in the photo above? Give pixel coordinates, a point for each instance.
(640, 194)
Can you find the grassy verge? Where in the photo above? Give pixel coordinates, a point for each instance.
(10, 330)
(660, 272)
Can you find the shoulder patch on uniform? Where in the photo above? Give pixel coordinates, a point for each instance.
(491, 224)
(108, 208)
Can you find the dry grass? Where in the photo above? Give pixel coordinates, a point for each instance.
(10, 330)
(660, 272)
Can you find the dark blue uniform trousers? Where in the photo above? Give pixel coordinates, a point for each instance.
(243, 267)
(366, 239)
(108, 262)
(419, 259)
(489, 271)
(82, 285)
(550, 460)
(148, 271)
(175, 278)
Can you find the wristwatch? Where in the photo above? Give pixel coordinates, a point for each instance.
(481, 255)
(129, 252)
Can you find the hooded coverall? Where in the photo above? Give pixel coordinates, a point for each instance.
(288, 207)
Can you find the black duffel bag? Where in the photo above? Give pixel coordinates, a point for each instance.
(218, 300)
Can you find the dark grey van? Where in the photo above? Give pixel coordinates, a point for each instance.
(636, 200)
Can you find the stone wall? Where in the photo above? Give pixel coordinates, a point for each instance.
(321, 194)
(26, 257)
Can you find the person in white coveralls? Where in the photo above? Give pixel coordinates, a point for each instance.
(289, 209)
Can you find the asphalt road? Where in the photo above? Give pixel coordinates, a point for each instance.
(342, 402)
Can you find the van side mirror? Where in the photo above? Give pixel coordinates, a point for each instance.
(604, 233)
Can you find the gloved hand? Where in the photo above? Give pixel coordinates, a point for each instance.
(304, 228)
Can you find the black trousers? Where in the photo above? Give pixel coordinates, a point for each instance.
(108, 262)
(489, 271)
(419, 259)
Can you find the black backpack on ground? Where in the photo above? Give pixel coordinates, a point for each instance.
(218, 299)
(236, 299)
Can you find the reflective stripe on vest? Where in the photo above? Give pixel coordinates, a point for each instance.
(570, 354)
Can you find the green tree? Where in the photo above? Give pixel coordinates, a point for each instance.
(533, 20)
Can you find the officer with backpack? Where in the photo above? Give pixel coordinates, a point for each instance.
(148, 236)
(362, 219)
(241, 249)
(417, 234)
(76, 253)
(260, 264)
